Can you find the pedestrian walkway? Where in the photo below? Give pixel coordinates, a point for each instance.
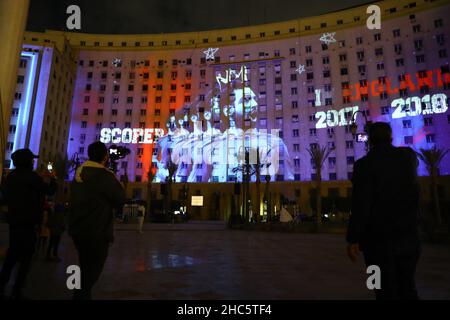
(207, 261)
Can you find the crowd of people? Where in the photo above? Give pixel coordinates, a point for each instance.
(383, 224)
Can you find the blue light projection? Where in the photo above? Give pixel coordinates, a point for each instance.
(24, 114)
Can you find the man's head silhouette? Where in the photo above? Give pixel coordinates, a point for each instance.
(380, 133)
(23, 159)
(98, 152)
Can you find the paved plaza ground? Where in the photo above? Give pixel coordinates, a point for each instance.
(204, 260)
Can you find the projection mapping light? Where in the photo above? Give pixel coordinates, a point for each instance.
(210, 53)
(300, 69)
(328, 38)
(207, 144)
(117, 62)
(362, 137)
(118, 152)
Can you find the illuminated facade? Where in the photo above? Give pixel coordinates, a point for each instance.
(292, 85)
(42, 104)
(305, 78)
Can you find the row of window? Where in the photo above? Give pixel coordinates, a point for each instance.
(398, 48)
(438, 23)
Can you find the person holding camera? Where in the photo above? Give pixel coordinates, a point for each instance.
(95, 194)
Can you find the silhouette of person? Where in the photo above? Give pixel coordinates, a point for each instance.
(95, 194)
(384, 215)
(56, 224)
(25, 193)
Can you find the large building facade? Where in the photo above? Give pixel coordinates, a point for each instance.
(201, 99)
(305, 78)
(42, 106)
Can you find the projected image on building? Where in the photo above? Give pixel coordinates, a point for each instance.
(209, 105)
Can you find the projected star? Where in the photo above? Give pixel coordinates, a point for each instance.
(210, 53)
(328, 38)
(117, 62)
(300, 69)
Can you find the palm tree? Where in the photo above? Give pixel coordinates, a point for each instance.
(248, 170)
(318, 156)
(258, 188)
(267, 197)
(150, 177)
(172, 169)
(432, 159)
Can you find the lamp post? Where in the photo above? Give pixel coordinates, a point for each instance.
(354, 128)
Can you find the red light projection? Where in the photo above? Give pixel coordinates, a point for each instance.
(431, 79)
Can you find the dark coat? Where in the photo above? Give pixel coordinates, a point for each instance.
(24, 191)
(385, 198)
(94, 194)
(56, 222)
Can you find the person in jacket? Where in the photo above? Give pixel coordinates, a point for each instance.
(24, 192)
(95, 194)
(57, 226)
(384, 215)
(43, 232)
(140, 217)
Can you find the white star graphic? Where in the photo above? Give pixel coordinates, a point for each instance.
(210, 53)
(300, 69)
(328, 38)
(117, 62)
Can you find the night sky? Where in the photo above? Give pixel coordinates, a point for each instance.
(164, 16)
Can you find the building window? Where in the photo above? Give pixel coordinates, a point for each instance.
(428, 122)
(420, 58)
(349, 144)
(418, 44)
(430, 138)
(408, 139)
(362, 69)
